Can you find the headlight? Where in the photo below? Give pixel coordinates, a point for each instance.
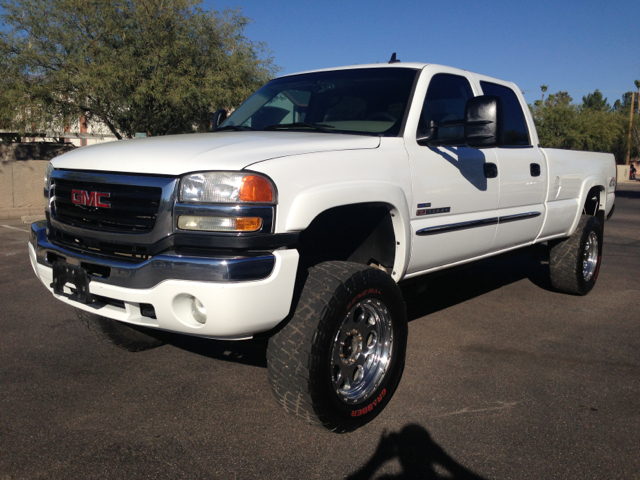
(47, 176)
(226, 187)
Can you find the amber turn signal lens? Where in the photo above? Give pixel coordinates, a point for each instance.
(255, 189)
(248, 224)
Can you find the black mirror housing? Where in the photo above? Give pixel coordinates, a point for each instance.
(429, 136)
(219, 117)
(484, 122)
(483, 125)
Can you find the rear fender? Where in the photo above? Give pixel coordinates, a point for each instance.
(594, 181)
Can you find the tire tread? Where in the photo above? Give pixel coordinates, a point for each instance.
(564, 260)
(290, 357)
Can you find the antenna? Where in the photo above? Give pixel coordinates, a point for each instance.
(393, 58)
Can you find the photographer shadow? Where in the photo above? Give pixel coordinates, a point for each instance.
(419, 456)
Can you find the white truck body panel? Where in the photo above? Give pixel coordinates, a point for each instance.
(314, 172)
(180, 154)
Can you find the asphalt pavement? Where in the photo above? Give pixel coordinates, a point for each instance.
(504, 379)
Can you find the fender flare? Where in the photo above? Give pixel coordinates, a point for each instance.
(312, 202)
(587, 184)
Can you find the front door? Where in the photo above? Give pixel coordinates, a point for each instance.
(455, 195)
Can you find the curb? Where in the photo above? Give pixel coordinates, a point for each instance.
(29, 219)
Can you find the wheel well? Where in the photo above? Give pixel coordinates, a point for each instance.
(361, 233)
(594, 201)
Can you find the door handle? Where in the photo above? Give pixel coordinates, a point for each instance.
(490, 170)
(535, 169)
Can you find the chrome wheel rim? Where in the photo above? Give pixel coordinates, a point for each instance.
(361, 351)
(590, 257)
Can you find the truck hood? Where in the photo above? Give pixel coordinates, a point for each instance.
(179, 154)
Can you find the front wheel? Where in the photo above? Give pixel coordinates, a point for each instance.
(339, 360)
(574, 263)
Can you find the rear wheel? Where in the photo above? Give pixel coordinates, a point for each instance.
(574, 263)
(340, 358)
(131, 338)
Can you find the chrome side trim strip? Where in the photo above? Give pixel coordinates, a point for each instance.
(519, 216)
(166, 266)
(454, 227)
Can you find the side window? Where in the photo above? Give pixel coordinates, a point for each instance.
(515, 126)
(446, 99)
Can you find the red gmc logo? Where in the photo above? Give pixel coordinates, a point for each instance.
(90, 199)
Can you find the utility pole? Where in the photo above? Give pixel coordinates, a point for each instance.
(633, 102)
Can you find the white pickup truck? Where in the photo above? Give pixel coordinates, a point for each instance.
(299, 214)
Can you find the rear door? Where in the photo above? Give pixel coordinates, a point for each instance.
(522, 173)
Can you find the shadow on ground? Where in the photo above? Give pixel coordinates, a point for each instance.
(419, 457)
(423, 296)
(628, 194)
(434, 292)
(246, 352)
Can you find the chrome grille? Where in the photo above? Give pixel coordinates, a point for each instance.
(133, 208)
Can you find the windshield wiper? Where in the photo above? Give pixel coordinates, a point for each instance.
(236, 128)
(320, 127)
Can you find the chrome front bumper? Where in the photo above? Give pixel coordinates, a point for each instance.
(167, 266)
(242, 295)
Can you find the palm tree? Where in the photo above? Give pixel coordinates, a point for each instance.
(637, 82)
(544, 89)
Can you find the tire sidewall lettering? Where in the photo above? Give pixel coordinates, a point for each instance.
(370, 291)
(369, 408)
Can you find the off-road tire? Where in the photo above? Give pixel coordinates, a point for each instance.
(131, 338)
(301, 356)
(567, 257)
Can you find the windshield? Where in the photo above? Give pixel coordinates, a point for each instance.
(370, 101)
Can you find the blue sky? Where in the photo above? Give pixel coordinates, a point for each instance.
(576, 46)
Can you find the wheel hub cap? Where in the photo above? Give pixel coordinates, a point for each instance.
(590, 257)
(361, 351)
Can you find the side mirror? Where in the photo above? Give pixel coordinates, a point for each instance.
(219, 117)
(429, 135)
(484, 122)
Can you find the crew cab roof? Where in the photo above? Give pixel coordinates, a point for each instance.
(410, 65)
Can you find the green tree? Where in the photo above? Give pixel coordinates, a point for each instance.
(595, 101)
(555, 120)
(152, 66)
(592, 126)
(624, 105)
(544, 88)
(637, 83)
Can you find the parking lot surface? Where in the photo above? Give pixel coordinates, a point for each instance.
(504, 379)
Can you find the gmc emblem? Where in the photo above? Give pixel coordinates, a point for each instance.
(90, 199)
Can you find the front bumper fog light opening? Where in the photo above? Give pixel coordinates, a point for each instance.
(198, 312)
